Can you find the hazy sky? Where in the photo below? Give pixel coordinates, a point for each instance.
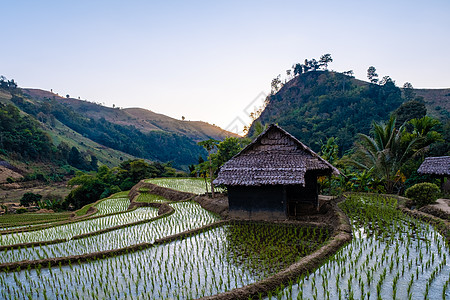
(208, 60)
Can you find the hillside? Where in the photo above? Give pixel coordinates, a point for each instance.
(317, 105)
(143, 119)
(61, 133)
(437, 102)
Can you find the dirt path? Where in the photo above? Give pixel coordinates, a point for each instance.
(442, 204)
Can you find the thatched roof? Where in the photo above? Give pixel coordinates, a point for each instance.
(435, 166)
(274, 157)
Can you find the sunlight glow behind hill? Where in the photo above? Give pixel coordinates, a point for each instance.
(208, 61)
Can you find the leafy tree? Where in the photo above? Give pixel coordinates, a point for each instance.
(30, 198)
(325, 60)
(349, 73)
(372, 75)
(386, 80)
(257, 129)
(209, 146)
(442, 148)
(288, 72)
(226, 150)
(76, 159)
(330, 150)
(52, 201)
(202, 169)
(409, 110)
(298, 69)
(276, 84)
(88, 189)
(311, 65)
(139, 169)
(408, 91)
(94, 163)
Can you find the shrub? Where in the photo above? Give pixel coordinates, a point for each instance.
(21, 210)
(52, 201)
(30, 198)
(423, 193)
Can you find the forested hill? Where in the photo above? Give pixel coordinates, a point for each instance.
(144, 120)
(63, 122)
(316, 105)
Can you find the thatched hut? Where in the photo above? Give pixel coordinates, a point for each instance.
(274, 177)
(437, 167)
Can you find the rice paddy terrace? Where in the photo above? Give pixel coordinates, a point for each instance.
(165, 249)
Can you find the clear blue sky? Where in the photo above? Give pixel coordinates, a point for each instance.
(207, 60)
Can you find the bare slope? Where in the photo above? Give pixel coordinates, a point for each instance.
(143, 119)
(437, 102)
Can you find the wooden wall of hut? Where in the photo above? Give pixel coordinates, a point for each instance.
(266, 202)
(303, 200)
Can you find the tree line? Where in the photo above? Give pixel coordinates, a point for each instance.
(155, 145)
(21, 138)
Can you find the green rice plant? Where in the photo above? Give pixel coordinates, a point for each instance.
(385, 242)
(188, 185)
(151, 198)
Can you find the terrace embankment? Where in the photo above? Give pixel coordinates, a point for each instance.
(428, 215)
(218, 205)
(90, 215)
(341, 235)
(440, 209)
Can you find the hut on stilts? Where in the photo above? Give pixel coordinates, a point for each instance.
(274, 177)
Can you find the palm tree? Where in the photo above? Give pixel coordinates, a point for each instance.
(385, 151)
(423, 129)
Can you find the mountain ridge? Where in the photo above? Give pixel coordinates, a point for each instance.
(143, 119)
(317, 105)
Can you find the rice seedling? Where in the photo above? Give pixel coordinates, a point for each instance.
(401, 257)
(187, 216)
(151, 198)
(114, 204)
(188, 185)
(67, 231)
(214, 261)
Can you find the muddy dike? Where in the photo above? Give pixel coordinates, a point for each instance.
(218, 205)
(432, 210)
(443, 226)
(340, 236)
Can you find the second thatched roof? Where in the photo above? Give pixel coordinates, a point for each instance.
(274, 157)
(435, 166)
